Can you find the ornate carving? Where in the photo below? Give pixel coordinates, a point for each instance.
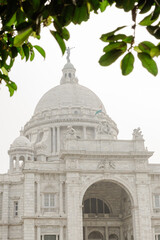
(41, 146)
(137, 134)
(112, 165)
(114, 230)
(104, 128)
(71, 133)
(101, 164)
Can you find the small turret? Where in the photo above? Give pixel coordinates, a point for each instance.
(20, 151)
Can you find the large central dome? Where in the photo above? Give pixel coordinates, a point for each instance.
(69, 94)
(69, 104)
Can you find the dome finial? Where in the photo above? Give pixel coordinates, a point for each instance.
(68, 54)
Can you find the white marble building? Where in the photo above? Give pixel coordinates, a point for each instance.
(71, 178)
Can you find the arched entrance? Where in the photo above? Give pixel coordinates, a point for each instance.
(107, 212)
(95, 235)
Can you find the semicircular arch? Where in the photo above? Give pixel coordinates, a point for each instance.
(122, 183)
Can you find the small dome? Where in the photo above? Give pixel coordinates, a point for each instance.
(69, 65)
(21, 141)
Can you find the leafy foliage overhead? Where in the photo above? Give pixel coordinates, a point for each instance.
(23, 19)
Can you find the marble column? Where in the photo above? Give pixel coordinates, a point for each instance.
(61, 233)
(86, 233)
(38, 198)
(11, 163)
(106, 232)
(121, 232)
(61, 198)
(58, 139)
(53, 147)
(84, 132)
(5, 211)
(17, 162)
(38, 233)
(74, 211)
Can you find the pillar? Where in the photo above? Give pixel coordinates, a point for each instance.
(61, 233)
(11, 163)
(121, 232)
(38, 233)
(61, 212)
(106, 232)
(74, 209)
(38, 198)
(143, 212)
(58, 139)
(84, 132)
(53, 147)
(17, 162)
(5, 211)
(29, 207)
(86, 233)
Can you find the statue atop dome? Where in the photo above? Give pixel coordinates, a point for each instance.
(68, 50)
(68, 70)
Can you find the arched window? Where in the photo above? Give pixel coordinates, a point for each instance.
(95, 205)
(95, 235)
(21, 161)
(113, 237)
(14, 162)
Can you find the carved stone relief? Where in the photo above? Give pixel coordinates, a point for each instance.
(104, 164)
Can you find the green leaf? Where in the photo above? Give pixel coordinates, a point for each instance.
(148, 63)
(20, 16)
(14, 52)
(118, 45)
(110, 57)
(32, 55)
(80, 14)
(146, 46)
(11, 21)
(155, 52)
(65, 34)
(40, 50)
(147, 21)
(5, 72)
(127, 64)
(128, 5)
(146, 7)
(21, 37)
(35, 3)
(12, 87)
(103, 5)
(26, 51)
(105, 36)
(59, 40)
(156, 13)
(128, 39)
(95, 5)
(154, 30)
(117, 37)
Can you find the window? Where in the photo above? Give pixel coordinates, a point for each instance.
(50, 237)
(15, 208)
(157, 201)
(94, 205)
(1, 199)
(49, 200)
(157, 237)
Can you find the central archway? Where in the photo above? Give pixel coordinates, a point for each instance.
(95, 235)
(107, 210)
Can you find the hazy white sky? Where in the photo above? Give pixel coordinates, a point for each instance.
(132, 101)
